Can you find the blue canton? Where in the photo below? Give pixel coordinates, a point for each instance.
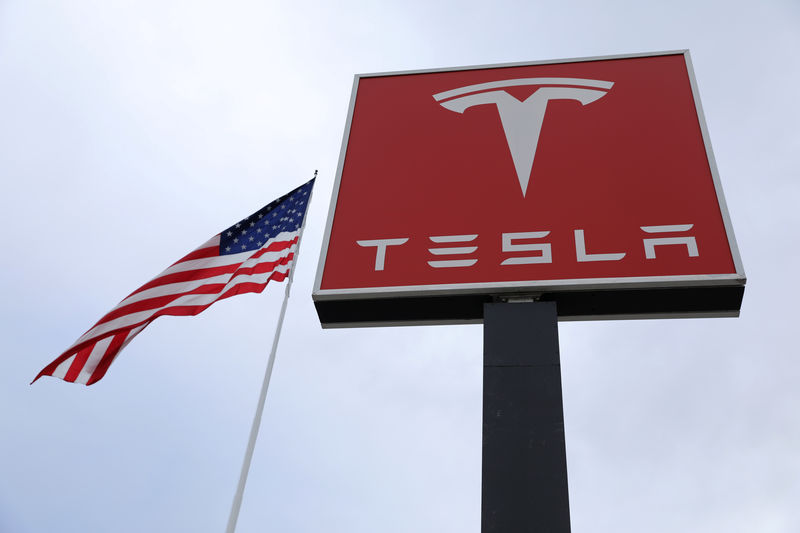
(283, 215)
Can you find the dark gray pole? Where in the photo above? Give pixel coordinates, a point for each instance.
(524, 455)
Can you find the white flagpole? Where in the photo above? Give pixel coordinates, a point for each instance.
(248, 455)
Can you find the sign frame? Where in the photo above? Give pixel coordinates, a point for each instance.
(673, 296)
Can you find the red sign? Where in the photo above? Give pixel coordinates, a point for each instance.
(583, 175)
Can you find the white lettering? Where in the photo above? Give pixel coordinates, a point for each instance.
(545, 256)
(380, 245)
(453, 250)
(583, 257)
(650, 244)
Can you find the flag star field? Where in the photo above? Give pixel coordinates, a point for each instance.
(283, 215)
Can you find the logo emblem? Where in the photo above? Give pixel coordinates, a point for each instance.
(522, 120)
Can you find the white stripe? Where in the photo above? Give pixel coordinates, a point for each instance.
(221, 260)
(187, 300)
(260, 278)
(91, 364)
(206, 262)
(269, 257)
(61, 370)
(94, 358)
(213, 242)
(174, 288)
(143, 315)
(131, 335)
(190, 299)
(185, 286)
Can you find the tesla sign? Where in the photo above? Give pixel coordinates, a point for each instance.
(587, 182)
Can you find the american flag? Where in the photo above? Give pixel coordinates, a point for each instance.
(243, 258)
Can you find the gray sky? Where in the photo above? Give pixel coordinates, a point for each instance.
(132, 131)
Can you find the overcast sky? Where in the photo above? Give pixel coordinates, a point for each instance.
(132, 131)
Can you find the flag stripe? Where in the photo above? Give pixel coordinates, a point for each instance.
(108, 357)
(190, 275)
(160, 301)
(77, 363)
(250, 286)
(88, 356)
(275, 244)
(209, 267)
(104, 327)
(170, 288)
(209, 249)
(60, 369)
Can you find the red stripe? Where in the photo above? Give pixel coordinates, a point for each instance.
(49, 369)
(108, 357)
(158, 301)
(211, 288)
(191, 310)
(275, 246)
(246, 287)
(193, 275)
(187, 310)
(261, 268)
(77, 364)
(188, 275)
(200, 253)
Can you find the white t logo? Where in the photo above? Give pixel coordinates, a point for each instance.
(522, 121)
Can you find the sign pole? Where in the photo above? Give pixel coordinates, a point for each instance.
(524, 483)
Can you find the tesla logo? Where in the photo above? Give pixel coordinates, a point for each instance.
(522, 120)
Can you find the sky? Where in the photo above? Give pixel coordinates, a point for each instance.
(132, 131)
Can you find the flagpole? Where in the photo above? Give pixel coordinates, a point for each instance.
(251, 444)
